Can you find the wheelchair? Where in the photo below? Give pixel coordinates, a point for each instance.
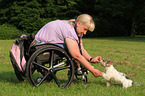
(47, 62)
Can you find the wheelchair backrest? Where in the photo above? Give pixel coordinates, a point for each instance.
(19, 53)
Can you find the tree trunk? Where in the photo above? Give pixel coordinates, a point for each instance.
(133, 27)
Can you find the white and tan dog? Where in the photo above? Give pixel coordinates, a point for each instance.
(112, 75)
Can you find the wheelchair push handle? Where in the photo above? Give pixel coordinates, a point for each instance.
(15, 36)
(19, 36)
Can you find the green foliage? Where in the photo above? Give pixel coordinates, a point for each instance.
(29, 15)
(6, 31)
(112, 17)
(25, 16)
(115, 17)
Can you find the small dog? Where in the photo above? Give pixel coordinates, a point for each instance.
(112, 75)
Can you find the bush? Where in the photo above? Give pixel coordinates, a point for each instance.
(6, 31)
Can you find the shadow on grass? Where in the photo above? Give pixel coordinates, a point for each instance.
(97, 83)
(89, 82)
(9, 77)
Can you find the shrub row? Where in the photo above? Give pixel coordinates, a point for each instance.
(6, 31)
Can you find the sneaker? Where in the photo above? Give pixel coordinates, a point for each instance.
(79, 71)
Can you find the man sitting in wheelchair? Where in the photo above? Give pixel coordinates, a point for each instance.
(68, 34)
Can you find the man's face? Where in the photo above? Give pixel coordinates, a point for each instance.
(81, 29)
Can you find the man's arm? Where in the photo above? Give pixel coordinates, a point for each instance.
(73, 48)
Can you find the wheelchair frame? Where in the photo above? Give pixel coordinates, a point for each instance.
(48, 62)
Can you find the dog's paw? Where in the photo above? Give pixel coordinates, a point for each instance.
(108, 84)
(104, 75)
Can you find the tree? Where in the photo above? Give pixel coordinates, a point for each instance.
(112, 17)
(109, 18)
(30, 15)
(119, 17)
(135, 10)
(25, 15)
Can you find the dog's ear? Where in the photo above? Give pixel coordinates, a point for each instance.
(102, 63)
(110, 62)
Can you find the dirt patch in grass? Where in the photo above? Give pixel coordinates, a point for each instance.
(1, 56)
(122, 63)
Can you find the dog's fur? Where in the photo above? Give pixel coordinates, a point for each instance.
(113, 75)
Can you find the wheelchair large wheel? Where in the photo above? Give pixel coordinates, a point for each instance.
(50, 62)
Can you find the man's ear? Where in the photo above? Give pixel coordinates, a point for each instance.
(78, 23)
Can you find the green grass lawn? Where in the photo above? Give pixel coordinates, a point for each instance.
(127, 53)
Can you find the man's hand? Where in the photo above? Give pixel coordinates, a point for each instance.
(96, 59)
(97, 73)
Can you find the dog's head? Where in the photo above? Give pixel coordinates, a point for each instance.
(106, 62)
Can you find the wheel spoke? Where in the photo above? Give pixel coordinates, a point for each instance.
(59, 64)
(52, 58)
(55, 79)
(41, 66)
(61, 68)
(43, 79)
